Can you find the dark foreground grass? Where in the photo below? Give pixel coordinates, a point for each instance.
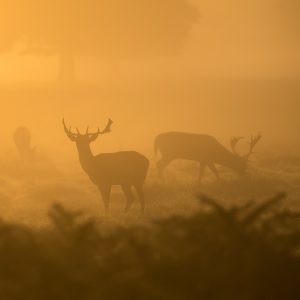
(248, 252)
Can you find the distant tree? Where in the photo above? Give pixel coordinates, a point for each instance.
(110, 29)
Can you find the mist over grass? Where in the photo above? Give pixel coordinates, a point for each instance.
(57, 243)
(27, 192)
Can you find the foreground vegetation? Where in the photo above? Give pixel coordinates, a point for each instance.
(246, 252)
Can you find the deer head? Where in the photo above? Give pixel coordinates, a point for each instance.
(252, 143)
(88, 137)
(22, 138)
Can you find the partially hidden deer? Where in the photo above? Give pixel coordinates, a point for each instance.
(22, 139)
(126, 168)
(204, 149)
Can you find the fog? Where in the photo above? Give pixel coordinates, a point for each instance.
(236, 73)
(167, 200)
(220, 107)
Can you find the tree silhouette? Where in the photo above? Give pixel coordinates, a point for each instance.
(110, 29)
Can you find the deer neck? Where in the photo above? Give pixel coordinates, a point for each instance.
(86, 157)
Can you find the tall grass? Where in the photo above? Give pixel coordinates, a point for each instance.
(246, 252)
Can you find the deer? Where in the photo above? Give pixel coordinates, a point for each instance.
(22, 139)
(125, 168)
(204, 149)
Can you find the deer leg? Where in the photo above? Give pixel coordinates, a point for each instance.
(213, 168)
(129, 195)
(201, 171)
(105, 192)
(141, 196)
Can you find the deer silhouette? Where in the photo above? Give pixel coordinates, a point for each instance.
(204, 149)
(22, 139)
(126, 168)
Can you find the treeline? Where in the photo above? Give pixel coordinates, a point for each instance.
(247, 252)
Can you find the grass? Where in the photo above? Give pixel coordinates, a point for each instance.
(26, 195)
(243, 252)
(185, 246)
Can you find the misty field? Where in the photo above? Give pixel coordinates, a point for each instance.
(27, 193)
(264, 106)
(55, 241)
(97, 100)
(233, 238)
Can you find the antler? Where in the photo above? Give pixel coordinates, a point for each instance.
(253, 142)
(233, 142)
(107, 129)
(72, 136)
(92, 136)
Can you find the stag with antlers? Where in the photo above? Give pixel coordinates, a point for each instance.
(204, 149)
(127, 168)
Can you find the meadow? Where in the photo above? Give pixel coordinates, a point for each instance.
(27, 193)
(56, 242)
(234, 238)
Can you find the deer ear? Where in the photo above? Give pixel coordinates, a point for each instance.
(93, 137)
(71, 138)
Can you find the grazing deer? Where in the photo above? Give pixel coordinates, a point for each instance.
(22, 139)
(126, 168)
(202, 148)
